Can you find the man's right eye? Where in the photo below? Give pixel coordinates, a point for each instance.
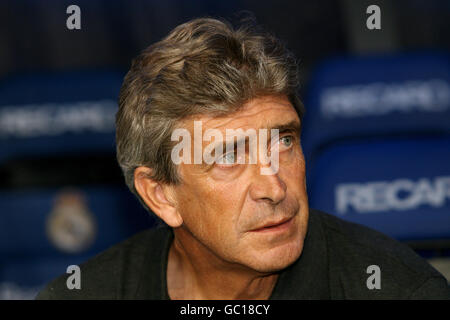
(228, 158)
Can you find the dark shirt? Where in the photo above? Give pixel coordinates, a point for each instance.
(333, 265)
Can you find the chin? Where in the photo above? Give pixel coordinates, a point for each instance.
(278, 258)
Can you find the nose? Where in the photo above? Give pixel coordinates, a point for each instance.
(267, 188)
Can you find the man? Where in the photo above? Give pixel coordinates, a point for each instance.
(236, 227)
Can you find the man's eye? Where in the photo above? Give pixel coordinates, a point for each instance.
(286, 140)
(228, 158)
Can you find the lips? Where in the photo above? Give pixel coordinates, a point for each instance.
(272, 224)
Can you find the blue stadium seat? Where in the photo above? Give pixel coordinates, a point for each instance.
(377, 143)
(44, 231)
(58, 113)
(377, 96)
(399, 187)
(53, 211)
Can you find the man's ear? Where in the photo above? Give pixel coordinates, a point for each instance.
(157, 197)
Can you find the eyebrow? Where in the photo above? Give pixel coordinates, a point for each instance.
(292, 126)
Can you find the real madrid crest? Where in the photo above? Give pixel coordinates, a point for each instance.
(70, 225)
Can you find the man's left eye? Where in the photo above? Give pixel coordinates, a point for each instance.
(229, 158)
(286, 140)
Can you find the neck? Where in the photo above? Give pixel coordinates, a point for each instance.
(195, 272)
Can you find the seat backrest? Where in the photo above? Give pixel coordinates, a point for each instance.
(58, 113)
(374, 96)
(44, 231)
(400, 187)
(62, 196)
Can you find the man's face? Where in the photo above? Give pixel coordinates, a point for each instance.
(225, 206)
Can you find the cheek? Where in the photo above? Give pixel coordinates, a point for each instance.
(212, 217)
(222, 205)
(292, 171)
(209, 209)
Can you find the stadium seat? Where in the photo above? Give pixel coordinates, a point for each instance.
(62, 196)
(377, 143)
(58, 113)
(400, 187)
(358, 97)
(42, 232)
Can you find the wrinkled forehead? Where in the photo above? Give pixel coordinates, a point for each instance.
(260, 113)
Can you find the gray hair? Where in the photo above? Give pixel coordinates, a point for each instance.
(204, 66)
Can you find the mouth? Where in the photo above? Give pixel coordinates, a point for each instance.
(275, 226)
